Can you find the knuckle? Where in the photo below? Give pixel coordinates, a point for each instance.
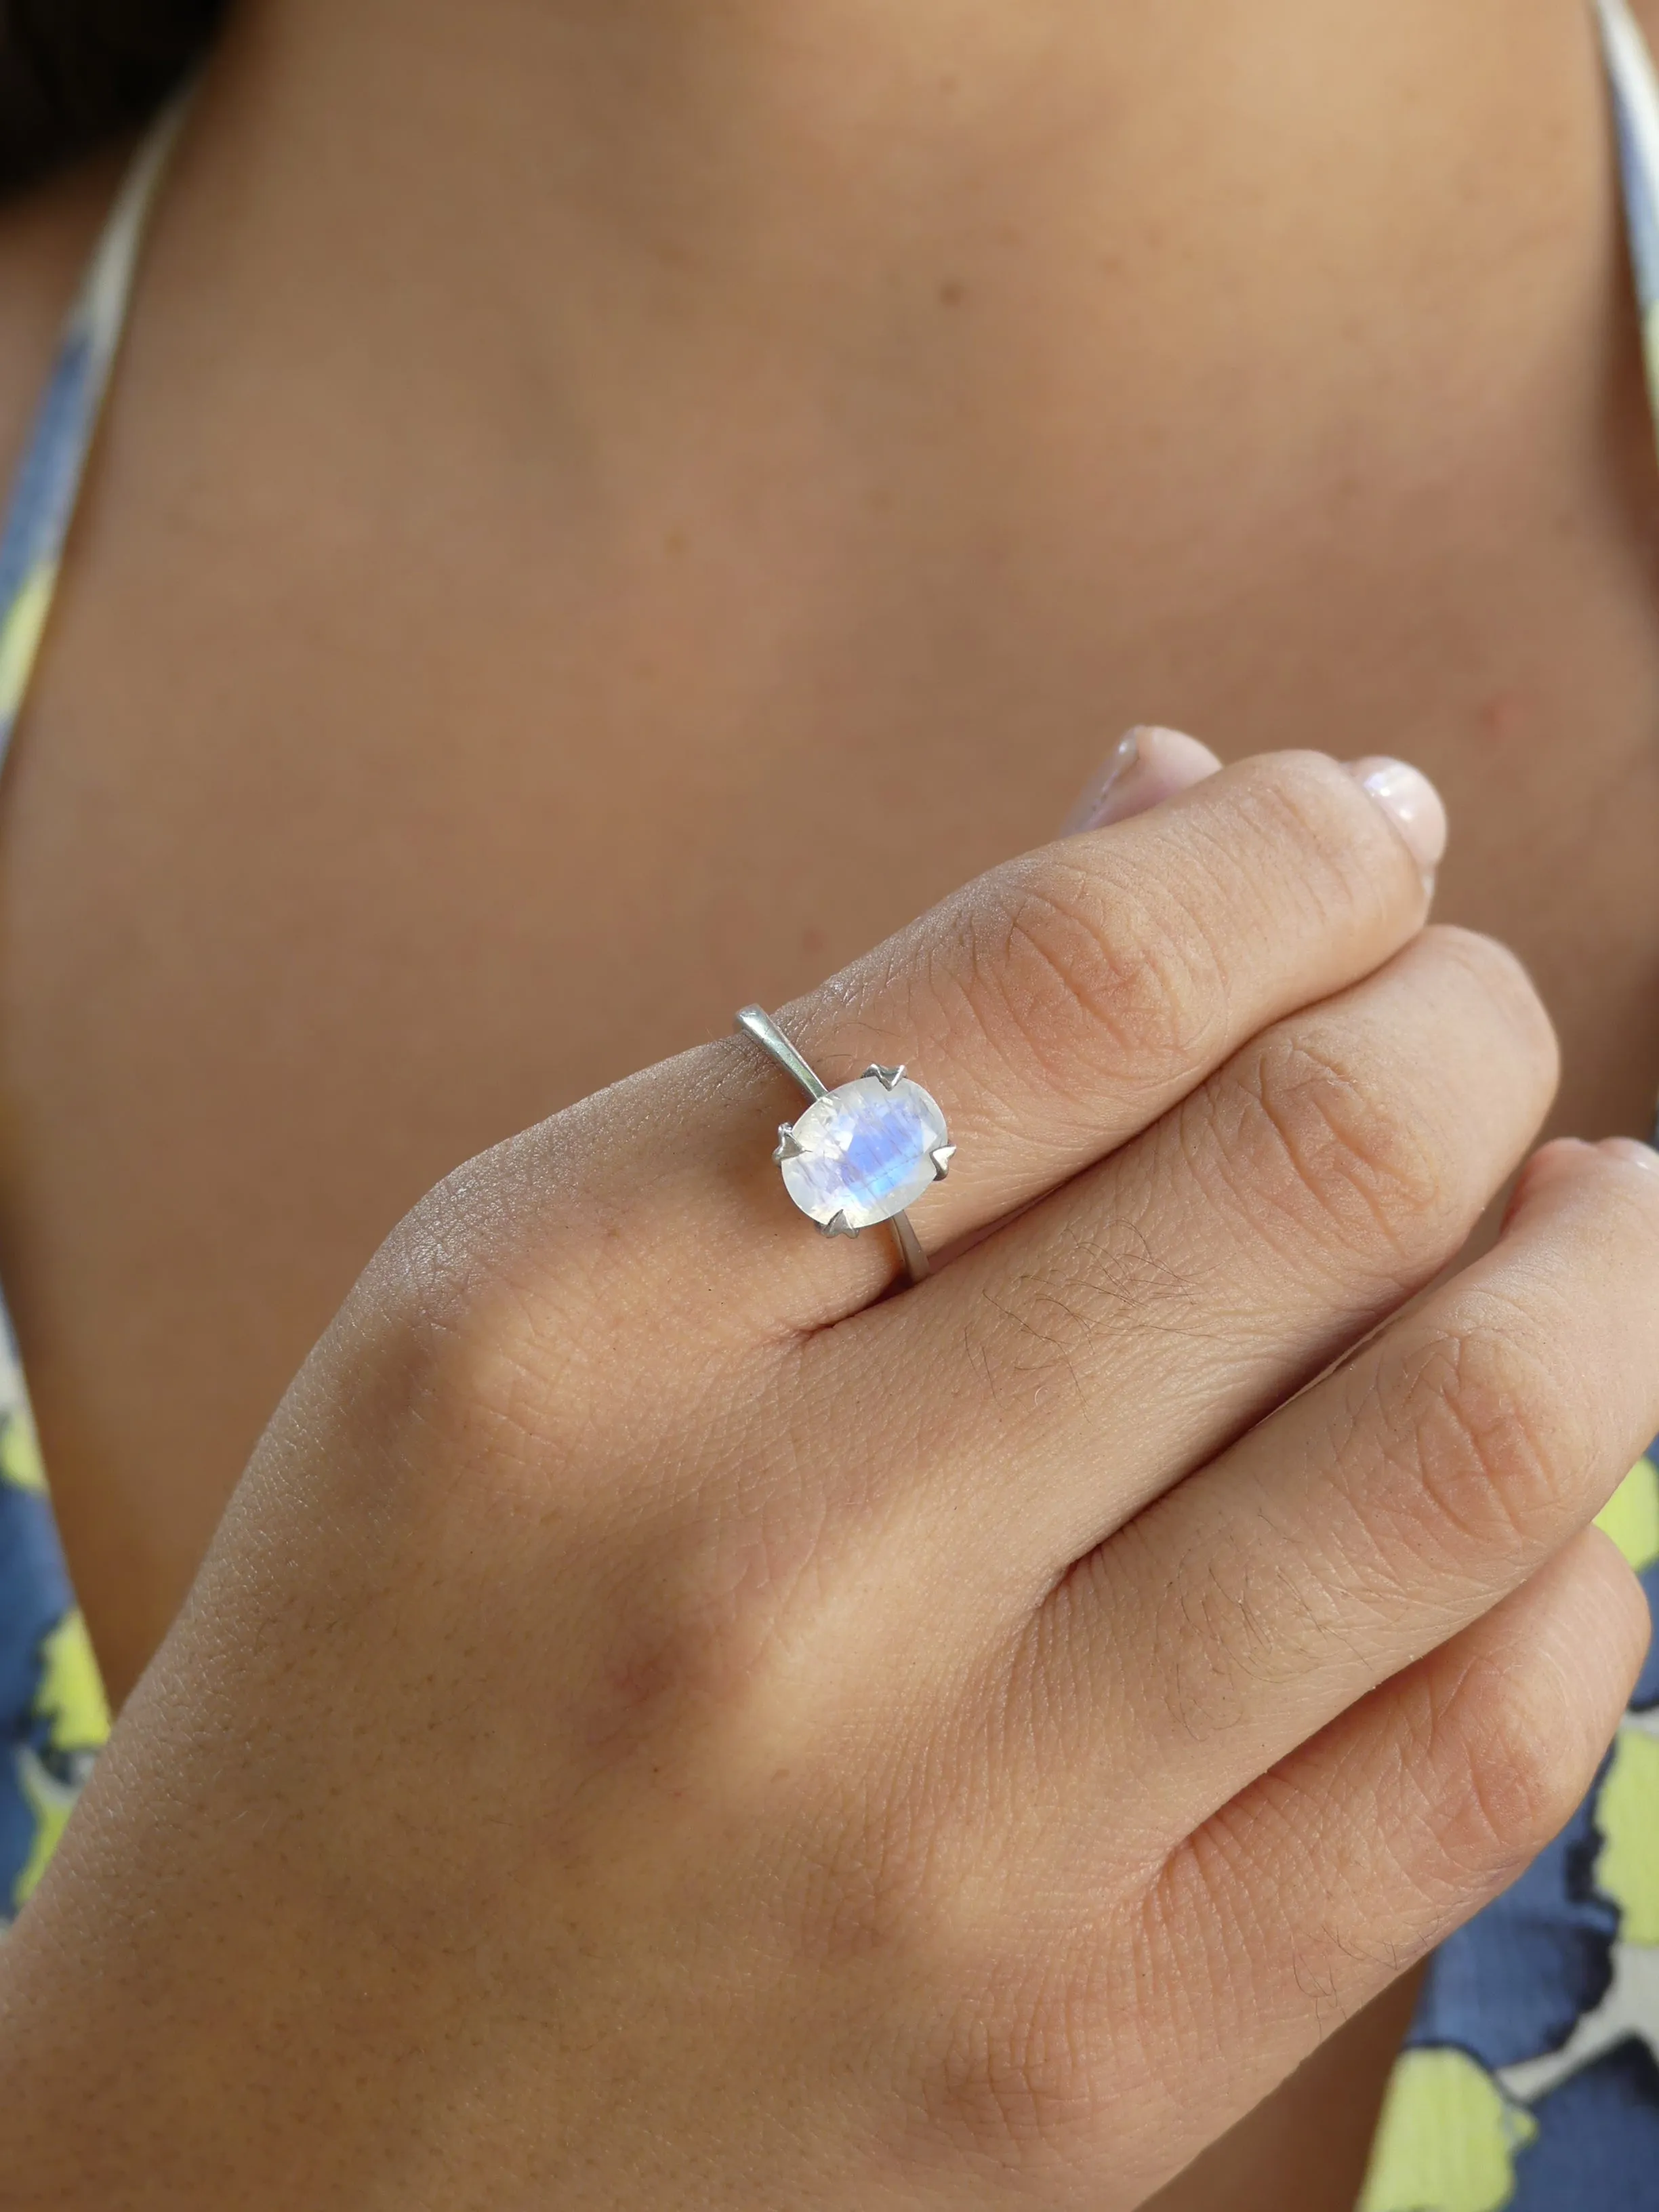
(1308, 801)
(437, 1263)
(1020, 2077)
(1310, 1131)
(477, 1344)
(419, 1298)
(866, 1886)
(1083, 970)
(1502, 1757)
(1252, 1905)
(1495, 1429)
(1498, 983)
(1322, 844)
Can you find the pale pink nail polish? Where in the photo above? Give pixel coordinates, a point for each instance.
(1096, 792)
(1632, 1149)
(1148, 765)
(1411, 803)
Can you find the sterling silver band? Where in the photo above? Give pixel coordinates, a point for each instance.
(757, 1023)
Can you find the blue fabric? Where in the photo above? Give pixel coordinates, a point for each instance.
(1598, 2140)
(35, 1599)
(1646, 1693)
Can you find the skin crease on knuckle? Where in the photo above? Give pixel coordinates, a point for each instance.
(1388, 1139)
(1518, 1402)
(1123, 968)
(1504, 1755)
(1315, 1138)
(1380, 1138)
(1495, 1739)
(1133, 994)
(1410, 1491)
(1439, 1786)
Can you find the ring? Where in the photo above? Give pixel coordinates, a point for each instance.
(860, 1153)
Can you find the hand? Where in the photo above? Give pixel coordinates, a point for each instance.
(663, 1725)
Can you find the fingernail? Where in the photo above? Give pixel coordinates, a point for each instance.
(1149, 765)
(1411, 803)
(1632, 1149)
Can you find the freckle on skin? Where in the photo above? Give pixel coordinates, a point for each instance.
(1499, 720)
(952, 292)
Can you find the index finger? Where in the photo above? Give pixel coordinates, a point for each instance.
(1055, 1007)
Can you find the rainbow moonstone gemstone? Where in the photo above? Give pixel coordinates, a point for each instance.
(864, 1151)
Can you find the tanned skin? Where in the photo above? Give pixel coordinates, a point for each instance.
(608, 510)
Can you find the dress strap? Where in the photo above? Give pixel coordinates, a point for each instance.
(53, 1714)
(1634, 90)
(48, 482)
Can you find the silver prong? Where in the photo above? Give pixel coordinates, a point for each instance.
(942, 1155)
(790, 1147)
(887, 1077)
(836, 1226)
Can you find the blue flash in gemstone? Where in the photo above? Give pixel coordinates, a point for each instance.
(864, 1151)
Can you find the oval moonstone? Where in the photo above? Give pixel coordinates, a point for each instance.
(866, 1151)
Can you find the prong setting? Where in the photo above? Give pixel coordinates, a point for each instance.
(869, 1148)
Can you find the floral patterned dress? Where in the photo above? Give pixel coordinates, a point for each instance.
(1530, 2077)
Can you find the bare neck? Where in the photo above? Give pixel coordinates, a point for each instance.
(649, 151)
